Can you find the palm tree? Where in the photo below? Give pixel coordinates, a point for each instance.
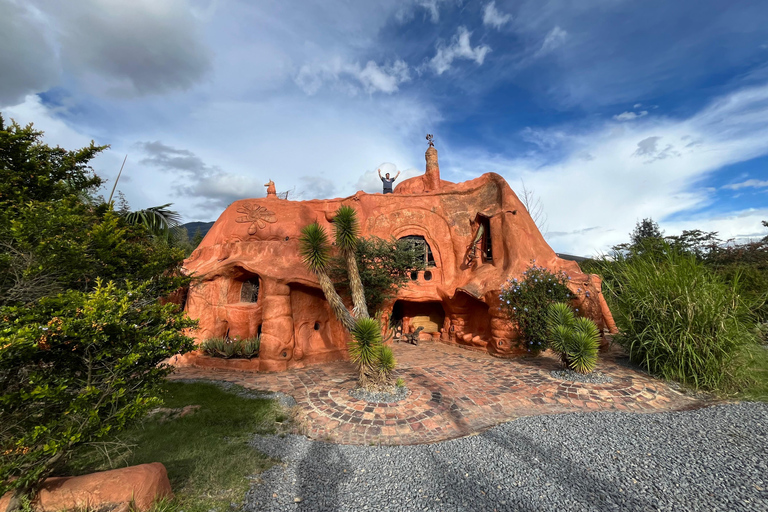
(158, 220)
(347, 230)
(315, 250)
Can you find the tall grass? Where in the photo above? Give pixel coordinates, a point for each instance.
(679, 319)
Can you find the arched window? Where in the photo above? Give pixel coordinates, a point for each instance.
(250, 290)
(421, 246)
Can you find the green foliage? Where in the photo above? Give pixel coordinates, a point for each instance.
(159, 221)
(347, 228)
(76, 368)
(678, 318)
(526, 302)
(33, 171)
(314, 247)
(78, 358)
(400, 382)
(386, 364)
(744, 265)
(384, 267)
(229, 348)
(575, 340)
(365, 347)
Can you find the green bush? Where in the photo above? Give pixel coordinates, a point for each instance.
(384, 266)
(77, 367)
(231, 348)
(678, 318)
(526, 301)
(575, 340)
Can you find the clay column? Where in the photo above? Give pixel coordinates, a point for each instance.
(432, 176)
(277, 337)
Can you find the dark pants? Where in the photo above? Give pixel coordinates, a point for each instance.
(387, 191)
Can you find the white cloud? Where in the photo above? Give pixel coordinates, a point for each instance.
(637, 105)
(752, 183)
(493, 17)
(432, 7)
(630, 116)
(554, 39)
(350, 76)
(109, 47)
(460, 48)
(636, 171)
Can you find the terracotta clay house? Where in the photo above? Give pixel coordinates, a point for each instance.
(475, 235)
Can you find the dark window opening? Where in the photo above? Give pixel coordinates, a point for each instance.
(250, 290)
(317, 326)
(414, 275)
(258, 330)
(486, 247)
(421, 246)
(428, 275)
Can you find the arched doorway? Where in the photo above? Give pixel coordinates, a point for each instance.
(409, 316)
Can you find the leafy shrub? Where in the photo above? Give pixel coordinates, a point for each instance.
(400, 382)
(575, 340)
(384, 266)
(231, 348)
(526, 302)
(76, 368)
(678, 318)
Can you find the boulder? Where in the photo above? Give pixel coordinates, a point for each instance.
(115, 489)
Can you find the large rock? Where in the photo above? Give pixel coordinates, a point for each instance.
(141, 485)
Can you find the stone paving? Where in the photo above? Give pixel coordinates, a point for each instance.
(453, 393)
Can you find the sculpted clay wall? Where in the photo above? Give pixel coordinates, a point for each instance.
(456, 299)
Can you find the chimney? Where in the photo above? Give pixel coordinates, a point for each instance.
(432, 176)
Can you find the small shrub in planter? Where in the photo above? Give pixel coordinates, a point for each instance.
(231, 348)
(575, 340)
(526, 301)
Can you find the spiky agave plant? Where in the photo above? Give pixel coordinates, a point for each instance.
(315, 249)
(347, 230)
(386, 365)
(365, 350)
(575, 340)
(584, 345)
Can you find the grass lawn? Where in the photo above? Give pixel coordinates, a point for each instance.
(209, 462)
(757, 370)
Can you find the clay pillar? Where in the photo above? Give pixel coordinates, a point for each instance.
(277, 337)
(432, 176)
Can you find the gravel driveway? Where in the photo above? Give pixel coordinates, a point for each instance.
(710, 459)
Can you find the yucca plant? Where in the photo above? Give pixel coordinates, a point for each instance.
(315, 250)
(575, 340)
(386, 365)
(347, 230)
(365, 350)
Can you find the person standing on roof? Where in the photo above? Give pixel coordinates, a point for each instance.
(387, 181)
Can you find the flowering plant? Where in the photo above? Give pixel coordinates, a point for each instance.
(525, 301)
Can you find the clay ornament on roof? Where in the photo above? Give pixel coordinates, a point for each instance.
(475, 236)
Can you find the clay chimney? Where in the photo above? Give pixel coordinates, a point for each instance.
(432, 176)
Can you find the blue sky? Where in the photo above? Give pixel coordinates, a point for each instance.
(608, 111)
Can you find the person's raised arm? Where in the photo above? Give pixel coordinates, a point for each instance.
(379, 171)
(396, 175)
